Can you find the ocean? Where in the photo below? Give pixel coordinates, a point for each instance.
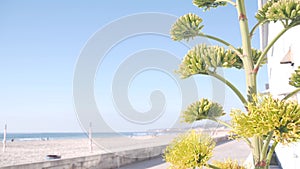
(55, 136)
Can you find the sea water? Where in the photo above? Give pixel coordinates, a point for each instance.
(55, 136)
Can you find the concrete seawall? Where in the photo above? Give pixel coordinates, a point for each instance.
(101, 161)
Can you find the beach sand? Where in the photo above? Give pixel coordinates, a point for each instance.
(22, 152)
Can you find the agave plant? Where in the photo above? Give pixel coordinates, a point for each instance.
(267, 119)
(228, 164)
(190, 150)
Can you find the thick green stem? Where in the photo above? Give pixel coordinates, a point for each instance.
(291, 94)
(248, 66)
(271, 151)
(231, 86)
(260, 144)
(246, 45)
(266, 146)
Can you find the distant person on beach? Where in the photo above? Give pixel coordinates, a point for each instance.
(12, 140)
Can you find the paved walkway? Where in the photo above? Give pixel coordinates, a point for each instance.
(289, 155)
(154, 163)
(234, 149)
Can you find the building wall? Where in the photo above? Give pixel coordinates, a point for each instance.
(278, 73)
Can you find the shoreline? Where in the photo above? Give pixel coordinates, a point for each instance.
(26, 152)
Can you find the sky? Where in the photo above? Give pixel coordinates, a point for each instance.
(42, 43)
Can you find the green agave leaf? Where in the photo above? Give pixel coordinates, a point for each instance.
(207, 4)
(186, 27)
(202, 109)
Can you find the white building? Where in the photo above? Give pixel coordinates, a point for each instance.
(283, 59)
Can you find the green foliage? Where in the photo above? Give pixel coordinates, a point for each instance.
(228, 164)
(286, 11)
(295, 78)
(255, 56)
(204, 59)
(203, 109)
(189, 150)
(266, 118)
(186, 27)
(261, 14)
(207, 4)
(267, 115)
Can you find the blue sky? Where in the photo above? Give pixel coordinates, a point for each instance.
(40, 42)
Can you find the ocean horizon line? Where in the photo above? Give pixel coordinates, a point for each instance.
(73, 135)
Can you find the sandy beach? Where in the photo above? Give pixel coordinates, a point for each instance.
(22, 152)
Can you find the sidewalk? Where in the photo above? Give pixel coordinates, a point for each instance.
(288, 155)
(234, 149)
